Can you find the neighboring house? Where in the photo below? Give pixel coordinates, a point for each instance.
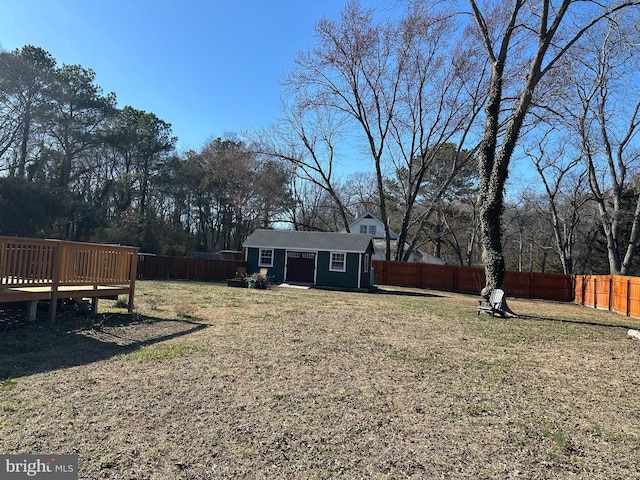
(372, 225)
(325, 259)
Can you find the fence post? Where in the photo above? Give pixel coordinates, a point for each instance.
(531, 283)
(610, 291)
(455, 279)
(628, 301)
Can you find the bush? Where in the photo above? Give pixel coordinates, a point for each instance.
(257, 280)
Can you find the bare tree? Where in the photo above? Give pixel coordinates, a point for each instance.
(564, 179)
(530, 240)
(524, 42)
(460, 228)
(361, 197)
(350, 72)
(439, 101)
(608, 123)
(313, 209)
(405, 88)
(307, 139)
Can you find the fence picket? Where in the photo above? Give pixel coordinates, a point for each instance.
(546, 286)
(179, 268)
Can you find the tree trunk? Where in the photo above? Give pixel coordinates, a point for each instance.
(383, 209)
(491, 207)
(634, 239)
(490, 201)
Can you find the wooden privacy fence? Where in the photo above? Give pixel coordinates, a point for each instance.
(616, 293)
(180, 268)
(32, 270)
(545, 286)
(421, 275)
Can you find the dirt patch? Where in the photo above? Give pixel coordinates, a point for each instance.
(206, 381)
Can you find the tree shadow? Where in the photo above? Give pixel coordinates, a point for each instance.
(595, 323)
(405, 293)
(75, 340)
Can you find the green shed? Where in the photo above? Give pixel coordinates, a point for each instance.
(324, 259)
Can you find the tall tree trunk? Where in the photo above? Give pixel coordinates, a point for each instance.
(383, 207)
(490, 197)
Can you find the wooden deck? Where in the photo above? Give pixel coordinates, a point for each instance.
(33, 270)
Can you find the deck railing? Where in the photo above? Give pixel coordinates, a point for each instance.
(25, 261)
(92, 264)
(38, 269)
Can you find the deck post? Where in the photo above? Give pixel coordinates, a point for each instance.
(32, 308)
(133, 271)
(56, 274)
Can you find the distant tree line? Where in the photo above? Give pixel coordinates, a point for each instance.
(74, 166)
(404, 101)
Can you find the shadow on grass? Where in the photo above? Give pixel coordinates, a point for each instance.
(406, 293)
(75, 340)
(572, 321)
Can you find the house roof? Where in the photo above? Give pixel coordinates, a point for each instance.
(298, 240)
(370, 216)
(381, 245)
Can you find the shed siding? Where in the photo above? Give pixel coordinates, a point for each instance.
(276, 273)
(328, 278)
(252, 260)
(366, 277)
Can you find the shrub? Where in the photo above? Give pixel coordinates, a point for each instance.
(258, 280)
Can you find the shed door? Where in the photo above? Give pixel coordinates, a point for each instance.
(300, 267)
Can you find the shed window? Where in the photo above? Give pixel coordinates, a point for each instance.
(266, 257)
(366, 263)
(338, 262)
(363, 229)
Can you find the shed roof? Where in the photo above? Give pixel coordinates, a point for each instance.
(298, 240)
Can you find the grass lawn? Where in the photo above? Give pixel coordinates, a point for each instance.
(210, 382)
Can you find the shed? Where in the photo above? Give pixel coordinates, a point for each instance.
(324, 259)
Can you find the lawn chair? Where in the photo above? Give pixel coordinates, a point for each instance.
(264, 272)
(495, 304)
(260, 279)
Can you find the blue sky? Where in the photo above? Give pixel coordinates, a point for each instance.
(207, 67)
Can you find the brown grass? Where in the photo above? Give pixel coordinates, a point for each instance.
(206, 381)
